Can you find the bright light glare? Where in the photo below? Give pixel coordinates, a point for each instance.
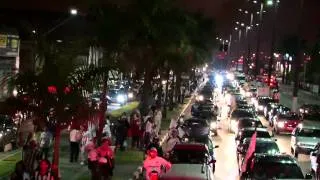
(73, 11)
(200, 98)
(15, 92)
(120, 98)
(219, 80)
(281, 124)
(164, 82)
(130, 95)
(270, 2)
(255, 2)
(230, 76)
(213, 125)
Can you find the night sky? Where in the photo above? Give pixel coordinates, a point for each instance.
(223, 11)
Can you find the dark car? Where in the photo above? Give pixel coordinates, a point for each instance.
(190, 161)
(285, 122)
(239, 113)
(8, 132)
(196, 128)
(248, 132)
(263, 102)
(263, 146)
(267, 166)
(276, 110)
(249, 107)
(268, 108)
(310, 111)
(245, 123)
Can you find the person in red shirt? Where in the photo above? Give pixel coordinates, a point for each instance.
(154, 164)
(105, 159)
(135, 130)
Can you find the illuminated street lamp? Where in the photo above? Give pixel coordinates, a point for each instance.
(73, 11)
(255, 2)
(237, 22)
(270, 2)
(236, 28)
(242, 24)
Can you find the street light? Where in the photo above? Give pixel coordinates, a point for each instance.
(237, 22)
(240, 10)
(73, 11)
(270, 2)
(242, 24)
(34, 31)
(255, 2)
(246, 12)
(236, 28)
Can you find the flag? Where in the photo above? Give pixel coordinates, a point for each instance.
(250, 151)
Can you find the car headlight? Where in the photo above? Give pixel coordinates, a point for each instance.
(280, 124)
(301, 110)
(248, 94)
(0, 135)
(130, 95)
(306, 111)
(213, 125)
(200, 98)
(121, 98)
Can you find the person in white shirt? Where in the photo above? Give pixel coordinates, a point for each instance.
(106, 129)
(45, 142)
(149, 124)
(75, 137)
(157, 120)
(171, 141)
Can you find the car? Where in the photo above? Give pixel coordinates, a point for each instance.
(193, 153)
(252, 92)
(268, 108)
(304, 138)
(245, 123)
(276, 110)
(263, 145)
(285, 123)
(8, 132)
(262, 102)
(249, 107)
(239, 113)
(310, 111)
(270, 166)
(313, 158)
(248, 132)
(196, 128)
(117, 96)
(205, 94)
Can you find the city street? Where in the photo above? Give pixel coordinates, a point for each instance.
(226, 165)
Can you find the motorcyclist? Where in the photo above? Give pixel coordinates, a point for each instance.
(154, 164)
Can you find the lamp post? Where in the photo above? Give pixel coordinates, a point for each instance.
(259, 39)
(297, 60)
(273, 38)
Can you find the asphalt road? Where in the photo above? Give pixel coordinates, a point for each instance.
(226, 165)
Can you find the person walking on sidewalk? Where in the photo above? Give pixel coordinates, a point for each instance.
(122, 132)
(45, 142)
(85, 139)
(75, 137)
(105, 159)
(149, 124)
(135, 123)
(157, 119)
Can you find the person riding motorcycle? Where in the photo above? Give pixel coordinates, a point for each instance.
(153, 165)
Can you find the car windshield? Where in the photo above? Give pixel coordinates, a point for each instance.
(289, 116)
(249, 123)
(112, 93)
(309, 132)
(237, 114)
(188, 157)
(265, 147)
(260, 134)
(278, 170)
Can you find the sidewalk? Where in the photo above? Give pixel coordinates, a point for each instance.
(304, 97)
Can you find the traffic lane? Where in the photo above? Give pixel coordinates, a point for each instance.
(283, 141)
(226, 165)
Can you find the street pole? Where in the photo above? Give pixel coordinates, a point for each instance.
(258, 41)
(297, 61)
(249, 49)
(273, 40)
(239, 50)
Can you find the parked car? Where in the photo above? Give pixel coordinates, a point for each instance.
(8, 132)
(305, 138)
(268, 166)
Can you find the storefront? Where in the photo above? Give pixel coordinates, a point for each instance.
(9, 62)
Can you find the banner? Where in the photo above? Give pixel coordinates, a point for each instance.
(250, 151)
(9, 45)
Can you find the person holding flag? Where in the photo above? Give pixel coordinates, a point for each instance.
(249, 155)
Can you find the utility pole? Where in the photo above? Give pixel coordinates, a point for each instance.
(273, 40)
(297, 60)
(248, 39)
(258, 41)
